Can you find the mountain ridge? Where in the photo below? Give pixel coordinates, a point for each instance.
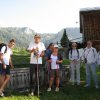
(24, 35)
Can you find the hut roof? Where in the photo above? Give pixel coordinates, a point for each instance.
(89, 9)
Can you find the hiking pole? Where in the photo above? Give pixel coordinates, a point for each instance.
(37, 77)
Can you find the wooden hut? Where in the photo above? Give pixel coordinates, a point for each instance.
(90, 24)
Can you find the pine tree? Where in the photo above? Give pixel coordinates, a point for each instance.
(64, 40)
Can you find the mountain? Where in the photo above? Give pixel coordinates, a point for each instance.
(73, 33)
(23, 35)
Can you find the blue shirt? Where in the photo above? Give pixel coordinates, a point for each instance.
(48, 54)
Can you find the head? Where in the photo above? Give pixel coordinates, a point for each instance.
(37, 38)
(11, 43)
(74, 45)
(51, 46)
(89, 44)
(55, 48)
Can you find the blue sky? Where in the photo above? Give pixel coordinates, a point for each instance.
(43, 16)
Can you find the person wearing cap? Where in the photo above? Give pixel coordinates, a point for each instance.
(36, 48)
(55, 60)
(74, 57)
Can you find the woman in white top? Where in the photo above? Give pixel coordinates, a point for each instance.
(55, 61)
(74, 57)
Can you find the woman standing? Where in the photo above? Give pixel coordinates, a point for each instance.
(74, 57)
(56, 60)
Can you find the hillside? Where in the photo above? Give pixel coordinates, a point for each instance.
(24, 35)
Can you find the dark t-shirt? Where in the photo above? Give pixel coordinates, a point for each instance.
(48, 53)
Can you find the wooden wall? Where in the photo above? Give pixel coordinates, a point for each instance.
(90, 25)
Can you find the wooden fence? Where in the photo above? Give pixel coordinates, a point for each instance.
(20, 77)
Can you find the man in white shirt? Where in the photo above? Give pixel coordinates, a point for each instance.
(90, 59)
(5, 61)
(36, 48)
(74, 57)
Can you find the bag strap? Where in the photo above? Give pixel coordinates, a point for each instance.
(77, 52)
(87, 53)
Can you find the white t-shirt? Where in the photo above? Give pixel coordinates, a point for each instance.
(6, 56)
(40, 47)
(2, 51)
(54, 65)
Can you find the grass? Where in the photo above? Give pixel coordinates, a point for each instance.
(68, 92)
(20, 58)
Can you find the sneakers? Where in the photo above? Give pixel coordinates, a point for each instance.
(1, 94)
(32, 94)
(97, 87)
(57, 89)
(49, 89)
(86, 85)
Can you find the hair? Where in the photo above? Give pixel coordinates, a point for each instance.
(49, 45)
(74, 43)
(12, 40)
(90, 41)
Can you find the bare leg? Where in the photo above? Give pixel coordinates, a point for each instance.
(2, 78)
(51, 82)
(7, 78)
(57, 82)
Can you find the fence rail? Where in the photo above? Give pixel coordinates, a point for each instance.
(20, 77)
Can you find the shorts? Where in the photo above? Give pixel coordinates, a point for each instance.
(4, 71)
(54, 72)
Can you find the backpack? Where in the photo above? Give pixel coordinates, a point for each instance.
(1, 45)
(77, 52)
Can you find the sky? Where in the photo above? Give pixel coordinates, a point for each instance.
(43, 16)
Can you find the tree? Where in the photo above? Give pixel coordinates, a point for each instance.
(64, 40)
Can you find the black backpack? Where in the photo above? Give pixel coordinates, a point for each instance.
(1, 45)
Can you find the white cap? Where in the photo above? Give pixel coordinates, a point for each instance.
(55, 46)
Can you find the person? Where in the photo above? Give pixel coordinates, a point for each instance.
(36, 48)
(74, 57)
(90, 59)
(47, 57)
(98, 59)
(5, 64)
(55, 60)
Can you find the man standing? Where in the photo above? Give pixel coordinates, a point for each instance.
(36, 48)
(74, 57)
(5, 61)
(90, 59)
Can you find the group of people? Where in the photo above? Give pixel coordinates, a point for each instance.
(91, 59)
(54, 60)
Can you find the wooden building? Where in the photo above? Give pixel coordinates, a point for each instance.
(90, 24)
